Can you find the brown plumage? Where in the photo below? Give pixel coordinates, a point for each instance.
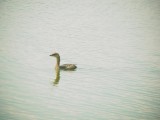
(64, 66)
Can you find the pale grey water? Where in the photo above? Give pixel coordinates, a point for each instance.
(115, 44)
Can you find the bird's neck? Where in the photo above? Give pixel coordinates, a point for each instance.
(58, 62)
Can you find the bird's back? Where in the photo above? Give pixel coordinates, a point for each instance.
(68, 67)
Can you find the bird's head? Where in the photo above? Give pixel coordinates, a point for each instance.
(55, 55)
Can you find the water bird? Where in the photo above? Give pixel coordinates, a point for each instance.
(64, 66)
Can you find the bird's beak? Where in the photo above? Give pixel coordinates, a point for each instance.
(51, 55)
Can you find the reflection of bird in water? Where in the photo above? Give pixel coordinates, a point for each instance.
(56, 81)
(62, 67)
(65, 66)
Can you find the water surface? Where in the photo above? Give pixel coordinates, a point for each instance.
(115, 45)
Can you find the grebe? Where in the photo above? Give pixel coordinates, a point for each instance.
(64, 66)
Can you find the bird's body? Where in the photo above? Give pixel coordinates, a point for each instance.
(64, 66)
(68, 67)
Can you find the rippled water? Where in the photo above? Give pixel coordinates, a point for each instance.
(115, 45)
